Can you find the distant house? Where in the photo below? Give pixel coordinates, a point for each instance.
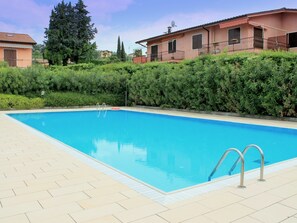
(274, 30)
(105, 53)
(16, 49)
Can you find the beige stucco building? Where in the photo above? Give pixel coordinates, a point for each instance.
(16, 49)
(274, 30)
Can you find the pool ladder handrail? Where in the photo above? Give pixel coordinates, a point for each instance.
(241, 158)
(262, 160)
(100, 108)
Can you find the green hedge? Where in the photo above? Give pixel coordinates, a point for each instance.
(257, 84)
(67, 99)
(246, 83)
(19, 102)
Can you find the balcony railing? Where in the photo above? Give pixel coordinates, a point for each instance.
(166, 56)
(244, 44)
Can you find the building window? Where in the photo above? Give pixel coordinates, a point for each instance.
(293, 40)
(234, 36)
(197, 41)
(172, 46)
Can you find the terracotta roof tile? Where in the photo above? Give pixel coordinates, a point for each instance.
(16, 38)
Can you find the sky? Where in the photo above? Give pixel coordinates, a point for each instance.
(132, 20)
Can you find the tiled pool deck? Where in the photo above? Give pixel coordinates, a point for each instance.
(40, 182)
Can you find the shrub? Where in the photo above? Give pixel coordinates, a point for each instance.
(67, 99)
(19, 102)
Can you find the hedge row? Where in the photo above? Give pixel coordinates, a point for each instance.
(57, 99)
(263, 84)
(258, 84)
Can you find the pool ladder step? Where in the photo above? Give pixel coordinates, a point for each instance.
(240, 159)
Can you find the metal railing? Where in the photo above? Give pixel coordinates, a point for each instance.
(241, 185)
(166, 56)
(101, 108)
(262, 160)
(240, 158)
(244, 44)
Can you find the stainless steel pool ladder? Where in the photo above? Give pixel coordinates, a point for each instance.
(240, 158)
(101, 108)
(241, 185)
(262, 160)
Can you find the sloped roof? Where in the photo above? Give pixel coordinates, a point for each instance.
(218, 22)
(16, 38)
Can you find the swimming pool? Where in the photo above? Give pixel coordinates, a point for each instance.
(166, 152)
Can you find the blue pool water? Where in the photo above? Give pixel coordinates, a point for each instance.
(166, 152)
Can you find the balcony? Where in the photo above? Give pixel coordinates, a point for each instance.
(166, 56)
(250, 44)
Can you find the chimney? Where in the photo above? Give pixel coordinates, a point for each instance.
(169, 29)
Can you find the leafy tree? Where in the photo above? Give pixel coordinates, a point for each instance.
(119, 54)
(123, 53)
(138, 52)
(85, 32)
(38, 51)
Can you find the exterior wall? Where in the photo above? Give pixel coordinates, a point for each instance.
(1, 54)
(289, 24)
(24, 56)
(275, 28)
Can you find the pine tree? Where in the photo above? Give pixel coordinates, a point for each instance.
(123, 53)
(119, 49)
(69, 34)
(59, 36)
(85, 32)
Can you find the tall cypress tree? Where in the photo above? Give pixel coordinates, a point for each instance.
(119, 50)
(123, 53)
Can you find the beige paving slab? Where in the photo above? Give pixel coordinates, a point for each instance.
(290, 202)
(229, 213)
(140, 212)
(199, 219)
(247, 219)
(76, 181)
(58, 219)
(31, 182)
(106, 190)
(105, 219)
(19, 199)
(290, 220)
(275, 213)
(70, 189)
(102, 200)
(135, 202)
(261, 201)
(184, 213)
(130, 193)
(6, 193)
(95, 213)
(35, 188)
(48, 213)
(22, 218)
(219, 200)
(151, 219)
(284, 191)
(12, 185)
(64, 199)
(19, 209)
